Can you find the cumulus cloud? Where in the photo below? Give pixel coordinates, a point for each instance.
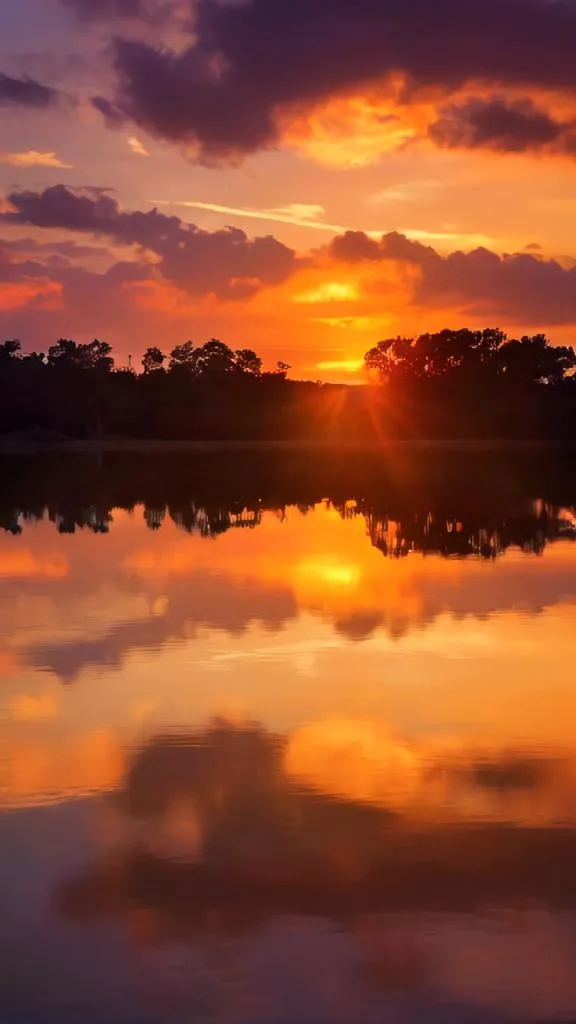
(509, 126)
(224, 262)
(62, 248)
(247, 61)
(26, 92)
(174, 258)
(520, 288)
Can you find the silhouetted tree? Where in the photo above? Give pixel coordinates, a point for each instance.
(456, 354)
(214, 359)
(248, 362)
(183, 357)
(448, 384)
(282, 369)
(9, 351)
(535, 361)
(153, 360)
(97, 355)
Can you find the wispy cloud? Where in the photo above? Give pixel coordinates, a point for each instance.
(300, 214)
(33, 158)
(137, 147)
(404, 193)
(356, 323)
(308, 216)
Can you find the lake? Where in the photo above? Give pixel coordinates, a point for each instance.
(287, 738)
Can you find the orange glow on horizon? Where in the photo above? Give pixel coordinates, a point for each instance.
(21, 563)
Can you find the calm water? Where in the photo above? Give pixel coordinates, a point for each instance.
(292, 761)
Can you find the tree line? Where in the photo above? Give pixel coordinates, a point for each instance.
(452, 383)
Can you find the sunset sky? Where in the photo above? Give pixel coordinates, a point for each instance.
(303, 177)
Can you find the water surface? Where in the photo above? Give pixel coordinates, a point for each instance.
(273, 755)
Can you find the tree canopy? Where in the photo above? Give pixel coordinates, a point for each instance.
(452, 383)
(473, 355)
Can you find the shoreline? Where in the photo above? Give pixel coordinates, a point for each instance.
(120, 445)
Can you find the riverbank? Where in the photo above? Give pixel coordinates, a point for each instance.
(16, 446)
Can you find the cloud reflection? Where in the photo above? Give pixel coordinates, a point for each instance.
(223, 829)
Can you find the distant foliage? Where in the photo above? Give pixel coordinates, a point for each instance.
(471, 355)
(453, 384)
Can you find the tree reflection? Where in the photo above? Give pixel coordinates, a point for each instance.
(471, 507)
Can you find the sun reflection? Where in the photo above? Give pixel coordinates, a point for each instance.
(331, 571)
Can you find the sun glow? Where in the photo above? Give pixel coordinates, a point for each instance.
(331, 571)
(344, 365)
(330, 291)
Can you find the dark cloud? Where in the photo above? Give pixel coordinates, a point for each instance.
(93, 211)
(73, 301)
(54, 263)
(509, 126)
(248, 60)
(65, 247)
(224, 262)
(13, 270)
(150, 11)
(112, 115)
(521, 288)
(355, 246)
(26, 92)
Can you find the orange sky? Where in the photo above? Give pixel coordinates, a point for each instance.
(373, 157)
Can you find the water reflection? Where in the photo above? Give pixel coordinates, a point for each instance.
(230, 826)
(310, 739)
(216, 835)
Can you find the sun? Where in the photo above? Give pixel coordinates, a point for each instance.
(343, 365)
(329, 291)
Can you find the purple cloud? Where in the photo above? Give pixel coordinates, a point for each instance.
(520, 288)
(151, 11)
(26, 92)
(509, 126)
(249, 60)
(224, 262)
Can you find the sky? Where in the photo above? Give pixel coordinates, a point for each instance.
(302, 177)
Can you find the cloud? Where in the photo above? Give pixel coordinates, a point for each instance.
(178, 270)
(512, 126)
(521, 287)
(26, 92)
(247, 62)
(299, 214)
(225, 262)
(150, 11)
(308, 216)
(114, 117)
(33, 158)
(137, 147)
